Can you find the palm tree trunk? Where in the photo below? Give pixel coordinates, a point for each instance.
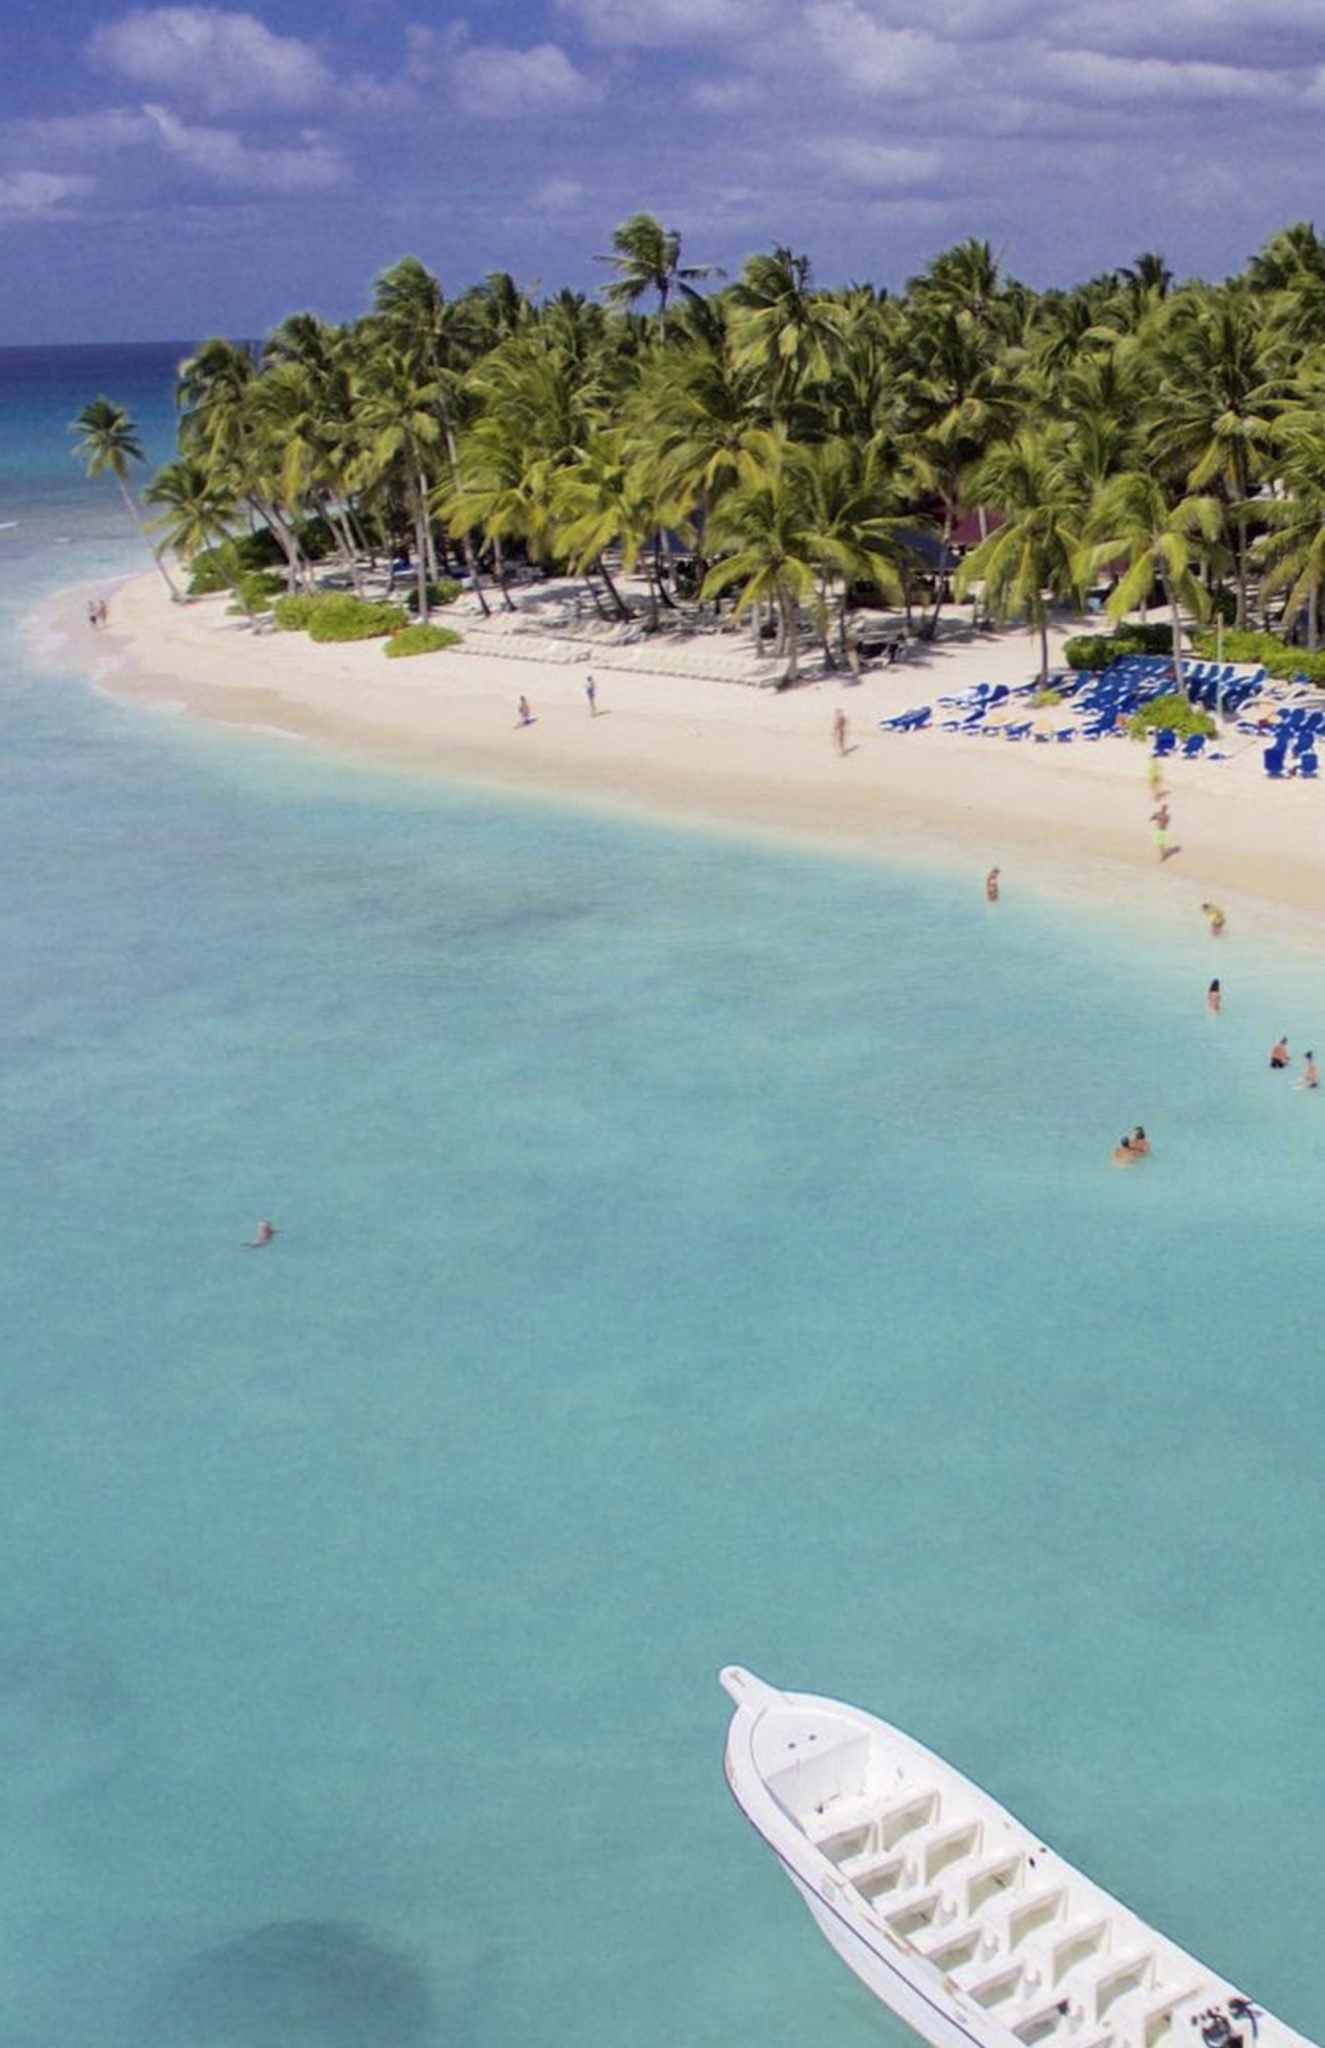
(466, 539)
(1177, 644)
(623, 609)
(1313, 619)
(171, 586)
(1044, 649)
(942, 577)
(420, 550)
(791, 631)
(499, 566)
(1240, 618)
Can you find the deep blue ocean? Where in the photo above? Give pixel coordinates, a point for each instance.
(688, 1253)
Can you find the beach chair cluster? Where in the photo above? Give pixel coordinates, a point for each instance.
(1293, 738)
(1101, 703)
(1216, 686)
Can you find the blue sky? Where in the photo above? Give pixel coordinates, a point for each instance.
(172, 171)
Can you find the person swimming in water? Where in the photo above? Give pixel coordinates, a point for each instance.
(1132, 1146)
(264, 1235)
(1279, 1053)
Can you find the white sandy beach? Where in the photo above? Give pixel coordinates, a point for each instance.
(680, 734)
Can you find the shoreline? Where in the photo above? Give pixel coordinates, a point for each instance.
(709, 751)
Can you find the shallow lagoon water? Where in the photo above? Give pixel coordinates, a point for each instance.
(688, 1253)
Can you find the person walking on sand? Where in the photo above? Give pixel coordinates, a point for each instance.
(1214, 997)
(523, 714)
(262, 1236)
(1160, 820)
(591, 693)
(1279, 1054)
(1217, 919)
(840, 731)
(991, 886)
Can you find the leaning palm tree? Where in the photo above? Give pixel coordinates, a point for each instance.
(195, 512)
(647, 258)
(1035, 555)
(108, 442)
(1135, 520)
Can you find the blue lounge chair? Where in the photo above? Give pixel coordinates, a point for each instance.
(1193, 745)
(1166, 740)
(1274, 762)
(1309, 766)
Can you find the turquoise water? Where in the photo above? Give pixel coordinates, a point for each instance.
(688, 1253)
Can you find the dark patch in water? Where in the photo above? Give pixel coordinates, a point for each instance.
(294, 1984)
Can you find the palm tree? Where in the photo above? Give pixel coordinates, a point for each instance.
(766, 521)
(400, 421)
(195, 513)
(108, 442)
(647, 258)
(1134, 519)
(1213, 416)
(1035, 555)
(1292, 553)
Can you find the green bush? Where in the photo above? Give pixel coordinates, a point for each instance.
(1097, 650)
(1268, 650)
(338, 616)
(207, 573)
(255, 590)
(420, 640)
(1172, 713)
(441, 593)
(293, 611)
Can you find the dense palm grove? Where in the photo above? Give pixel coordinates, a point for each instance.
(804, 444)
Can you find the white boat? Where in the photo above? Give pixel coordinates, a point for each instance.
(953, 1913)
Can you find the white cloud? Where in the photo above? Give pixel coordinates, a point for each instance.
(222, 61)
(1176, 25)
(1130, 78)
(725, 95)
(871, 57)
(311, 165)
(654, 22)
(499, 84)
(559, 195)
(875, 166)
(28, 194)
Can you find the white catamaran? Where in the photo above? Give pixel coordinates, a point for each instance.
(952, 1912)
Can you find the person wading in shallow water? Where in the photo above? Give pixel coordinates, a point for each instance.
(991, 885)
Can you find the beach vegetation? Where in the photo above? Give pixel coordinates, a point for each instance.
(336, 615)
(445, 591)
(1173, 713)
(421, 639)
(689, 446)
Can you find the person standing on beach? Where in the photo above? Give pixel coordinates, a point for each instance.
(991, 886)
(1160, 820)
(840, 731)
(523, 714)
(93, 612)
(591, 692)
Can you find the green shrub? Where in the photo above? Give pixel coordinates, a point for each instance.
(255, 590)
(420, 640)
(1268, 650)
(293, 611)
(1172, 713)
(1097, 650)
(338, 616)
(208, 573)
(441, 593)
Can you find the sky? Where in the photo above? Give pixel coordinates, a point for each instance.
(170, 172)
